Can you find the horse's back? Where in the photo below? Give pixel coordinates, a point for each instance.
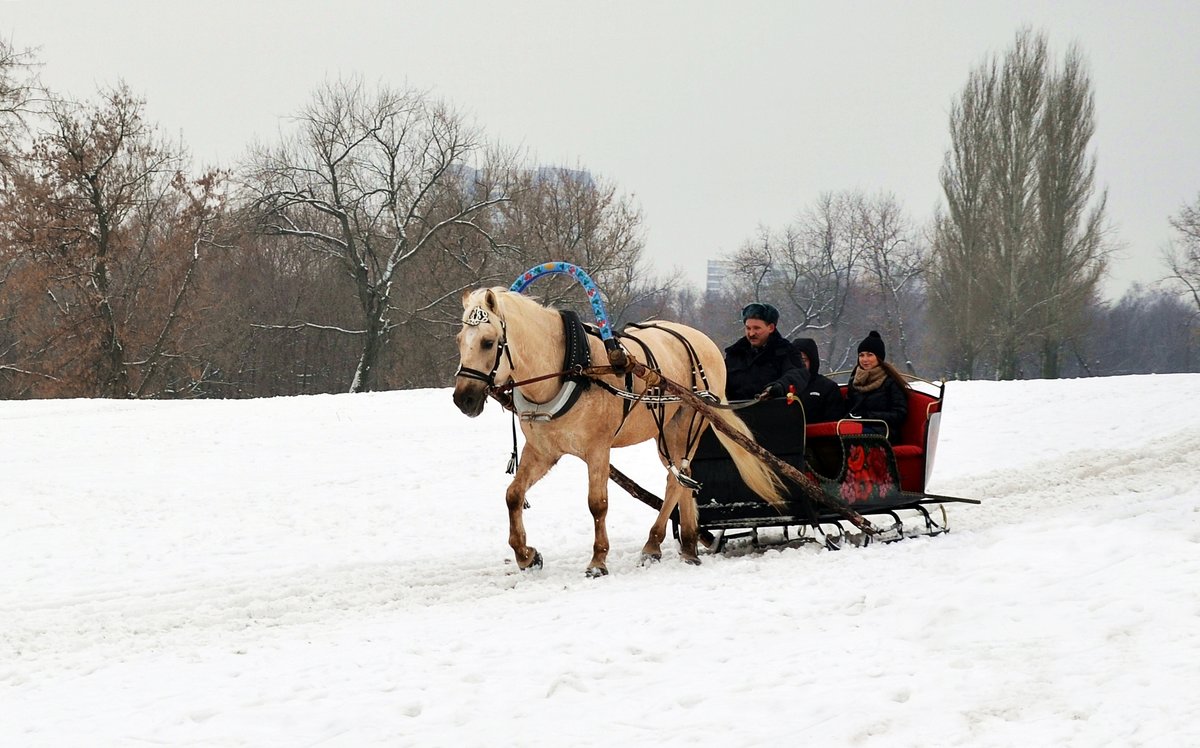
(680, 352)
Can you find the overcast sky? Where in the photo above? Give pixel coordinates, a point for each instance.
(716, 117)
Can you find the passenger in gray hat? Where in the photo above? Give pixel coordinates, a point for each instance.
(762, 364)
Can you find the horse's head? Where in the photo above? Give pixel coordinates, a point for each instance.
(483, 357)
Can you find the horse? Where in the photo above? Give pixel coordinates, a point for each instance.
(504, 333)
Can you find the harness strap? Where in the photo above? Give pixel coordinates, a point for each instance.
(649, 400)
(513, 461)
(696, 426)
(654, 403)
(577, 356)
(697, 366)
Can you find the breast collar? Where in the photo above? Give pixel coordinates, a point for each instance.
(576, 357)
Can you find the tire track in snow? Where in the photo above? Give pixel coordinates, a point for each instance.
(125, 621)
(1108, 483)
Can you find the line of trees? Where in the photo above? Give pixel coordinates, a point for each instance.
(331, 261)
(831, 279)
(1004, 283)
(334, 260)
(848, 263)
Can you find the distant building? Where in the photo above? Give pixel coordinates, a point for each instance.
(718, 275)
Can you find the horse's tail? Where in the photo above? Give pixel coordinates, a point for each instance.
(755, 473)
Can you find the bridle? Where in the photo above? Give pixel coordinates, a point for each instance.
(475, 317)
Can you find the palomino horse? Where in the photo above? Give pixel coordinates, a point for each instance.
(505, 333)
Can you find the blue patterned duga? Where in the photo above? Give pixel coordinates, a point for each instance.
(585, 280)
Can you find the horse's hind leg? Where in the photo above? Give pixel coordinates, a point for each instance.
(676, 495)
(652, 550)
(688, 524)
(534, 466)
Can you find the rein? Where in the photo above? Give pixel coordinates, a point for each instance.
(574, 371)
(501, 392)
(707, 395)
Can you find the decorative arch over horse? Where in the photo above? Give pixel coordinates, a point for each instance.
(511, 343)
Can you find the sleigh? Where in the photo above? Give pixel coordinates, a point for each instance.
(880, 476)
(658, 378)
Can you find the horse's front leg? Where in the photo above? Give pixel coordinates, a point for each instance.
(598, 470)
(534, 466)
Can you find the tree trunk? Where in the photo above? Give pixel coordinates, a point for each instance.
(1050, 361)
(373, 337)
(114, 377)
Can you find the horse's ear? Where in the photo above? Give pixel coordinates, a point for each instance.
(466, 295)
(489, 300)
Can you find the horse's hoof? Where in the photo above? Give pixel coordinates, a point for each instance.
(595, 572)
(651, 558)
(691, 560)
(536, 563)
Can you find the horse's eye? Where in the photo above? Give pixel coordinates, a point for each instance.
(488, 345)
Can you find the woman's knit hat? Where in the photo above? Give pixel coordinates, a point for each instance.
(873, 344)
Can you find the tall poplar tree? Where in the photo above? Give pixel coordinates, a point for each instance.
(1069, 249)
(1019, 248)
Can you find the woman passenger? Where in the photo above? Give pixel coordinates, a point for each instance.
(876, 390)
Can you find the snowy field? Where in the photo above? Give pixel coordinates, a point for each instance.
(334, 570)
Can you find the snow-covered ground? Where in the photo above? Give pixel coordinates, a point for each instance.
(334, 570)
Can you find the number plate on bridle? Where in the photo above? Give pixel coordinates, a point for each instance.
(477, 316)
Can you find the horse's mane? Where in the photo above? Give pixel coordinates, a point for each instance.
(518, 308)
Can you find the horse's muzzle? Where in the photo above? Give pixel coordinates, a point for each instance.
(470, 397)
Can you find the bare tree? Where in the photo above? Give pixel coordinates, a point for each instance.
(1069, 254)
(807, 268)
(1182, 257)
(894, 260)
(1020, 96)
(371, 180)
(565, 214)
(84, 215)
(176, 234)
(1020, 248)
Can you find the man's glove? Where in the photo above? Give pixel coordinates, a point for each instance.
(772, 390)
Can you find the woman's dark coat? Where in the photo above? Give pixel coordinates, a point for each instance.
(887, 403)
